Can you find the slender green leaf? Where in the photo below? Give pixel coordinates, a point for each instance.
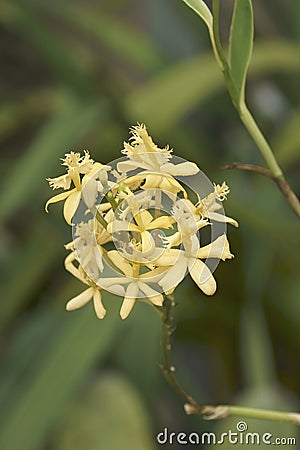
(200, 7)
(241, 44)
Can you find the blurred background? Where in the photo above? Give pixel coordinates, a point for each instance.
(76, 75)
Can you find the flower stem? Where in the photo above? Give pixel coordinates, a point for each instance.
(167, 367)
(191, 406)
(248, 120)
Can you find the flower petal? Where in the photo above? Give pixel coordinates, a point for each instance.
(70, 267)
(174, 275)
(129, 300)
(148, 244)
(121, 225)
(219, 248)
(90, 193)
(80, 300)
(58, 198)
(143, 218)
(169, 257)
(120, 262)
(222, 218)
(155, 297)
(161, 222)
(202, 276)
(98, 305)
(186, 168)
(71, 205)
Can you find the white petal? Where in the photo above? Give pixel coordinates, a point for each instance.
(90, 192)
(71, 205)
(222, 218)
(98, 305)
(155, 297)
(174, 275)
(58, 198)
(129, 300)
(80, 300)
(186, 168)
(148, 244)
(202, 276)
(219, 248)
(120, 262)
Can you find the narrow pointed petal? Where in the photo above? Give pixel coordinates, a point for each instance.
(183, 169)
(80, 300)
(155, 297)
(161, 222)
(222, 218)
(202, 276)
(120, 262)
(129, 300)
(70, 206)
(58, 198)
(121, 225)
(98, 305)
(169, 257)
(70, 267)
(148, 243)
(143, 218)
(90, 193)
(174, 275)
(219, 248)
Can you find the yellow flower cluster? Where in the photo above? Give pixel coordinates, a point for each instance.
(136, 229)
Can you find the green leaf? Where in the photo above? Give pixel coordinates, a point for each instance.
(202, 10)
(110, 415)
(241, 44)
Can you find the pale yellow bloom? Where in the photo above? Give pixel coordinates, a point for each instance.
(180, 261)
(137, 284)
(154, 253)
(144, 223)
(158, 172)
(92, 292)
(76, 165)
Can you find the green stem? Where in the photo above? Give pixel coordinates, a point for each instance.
(247, 118)
(260, 140)
(223, 411)
(101, 219)
(191, 406)
(167, 367)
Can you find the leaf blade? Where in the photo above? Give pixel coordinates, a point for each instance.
(241, 45)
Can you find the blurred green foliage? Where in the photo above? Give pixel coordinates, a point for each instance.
(76, 75)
